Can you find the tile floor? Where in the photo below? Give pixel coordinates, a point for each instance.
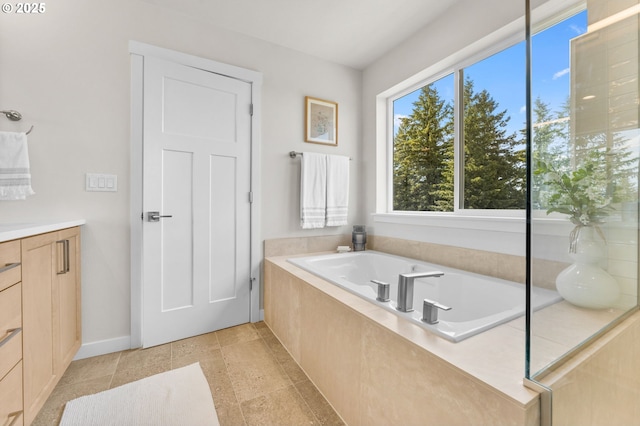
(253, 379)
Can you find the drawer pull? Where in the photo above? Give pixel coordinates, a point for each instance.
(15, 415)
(66, 266)
(12, 334)
(9, 266)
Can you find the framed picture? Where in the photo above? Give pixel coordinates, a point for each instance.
(321, 121)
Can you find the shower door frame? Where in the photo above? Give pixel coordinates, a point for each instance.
(137, 52)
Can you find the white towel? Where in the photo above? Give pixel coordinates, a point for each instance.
(337, 190)
(15, 176)
(313, 190)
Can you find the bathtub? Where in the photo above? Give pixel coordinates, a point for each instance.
(477, 302)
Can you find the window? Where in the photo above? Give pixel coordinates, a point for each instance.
(494, 145)
(423, 149)
(481, 167)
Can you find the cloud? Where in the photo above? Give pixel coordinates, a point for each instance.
(523, 109)
(560, 73)
(397, 119)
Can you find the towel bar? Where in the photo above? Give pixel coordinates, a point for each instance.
(294, 154)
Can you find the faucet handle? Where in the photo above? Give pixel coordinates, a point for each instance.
(383, 291)
(430, 311)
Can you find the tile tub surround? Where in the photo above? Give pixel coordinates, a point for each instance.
(299, 245)
(601, 384)
(342, 341)
(377, 369)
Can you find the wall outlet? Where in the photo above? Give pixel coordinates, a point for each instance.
(101, 182)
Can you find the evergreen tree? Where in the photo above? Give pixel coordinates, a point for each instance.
(550, 138)
(494, 171)
(608, 156)
(422, 147)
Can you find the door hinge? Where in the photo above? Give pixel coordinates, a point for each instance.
(250, 196)
(251, 280)
(251, 109)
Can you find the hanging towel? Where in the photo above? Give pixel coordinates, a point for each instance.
(313, 190)
(337, 190)
(15, 177)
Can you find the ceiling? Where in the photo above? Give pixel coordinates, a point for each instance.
(350, 32)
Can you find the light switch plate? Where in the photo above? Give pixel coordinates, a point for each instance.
(101, 182)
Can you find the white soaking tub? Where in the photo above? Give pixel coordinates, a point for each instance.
(477, 302)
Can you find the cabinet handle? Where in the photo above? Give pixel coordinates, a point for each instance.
(12, 333)
(9, 266)
(66, 264)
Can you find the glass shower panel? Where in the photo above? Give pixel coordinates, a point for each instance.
(584, 214)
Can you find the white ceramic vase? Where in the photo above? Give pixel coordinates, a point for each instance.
(584, 283)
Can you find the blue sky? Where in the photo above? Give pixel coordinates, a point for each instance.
(503, 74)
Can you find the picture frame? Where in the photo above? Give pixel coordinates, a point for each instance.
(321, 121)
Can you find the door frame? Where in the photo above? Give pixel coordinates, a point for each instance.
(137, 53)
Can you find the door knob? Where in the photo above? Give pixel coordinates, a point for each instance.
(155, 216)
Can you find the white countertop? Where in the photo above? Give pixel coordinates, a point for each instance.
(13, 231)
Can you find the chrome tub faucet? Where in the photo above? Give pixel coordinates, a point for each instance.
(405, 288)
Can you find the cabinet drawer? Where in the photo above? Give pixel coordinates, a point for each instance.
(10, 269)
(11, 411)
(10, 328)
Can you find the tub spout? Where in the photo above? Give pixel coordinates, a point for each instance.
(405, 288)
(430, 311)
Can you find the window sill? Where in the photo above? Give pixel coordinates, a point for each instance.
(509, 224)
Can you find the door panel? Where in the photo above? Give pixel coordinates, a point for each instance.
(223, 237)
(196, 169)
(177, 233)
(194, 110)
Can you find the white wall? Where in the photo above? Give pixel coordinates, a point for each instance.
(68, 71)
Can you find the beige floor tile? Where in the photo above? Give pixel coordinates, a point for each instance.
(318, 404)
(193, 345)
(294, 371)
(230, 415)
(281, 407)
(215, 370)
(253, 370)
(263, 329)
(238, 334)
(137, 358)
(278, 351)
(123, 376)
(90, 368)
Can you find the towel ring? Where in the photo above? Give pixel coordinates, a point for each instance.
(14, 115)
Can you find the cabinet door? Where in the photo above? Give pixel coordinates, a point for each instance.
(67, 298)
(39, 262)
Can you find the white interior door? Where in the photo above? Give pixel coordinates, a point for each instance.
(196, 176)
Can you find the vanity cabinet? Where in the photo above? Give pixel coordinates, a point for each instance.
(51, 326)
(10, 334)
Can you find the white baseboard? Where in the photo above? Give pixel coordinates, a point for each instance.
(103, 347)
(108, 346)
